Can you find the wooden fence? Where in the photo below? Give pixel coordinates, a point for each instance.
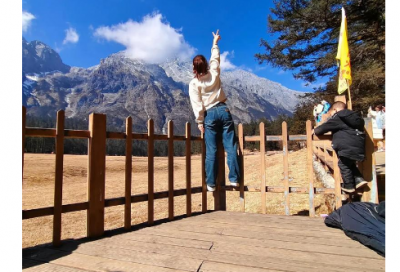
(322, 148)
(96, 203)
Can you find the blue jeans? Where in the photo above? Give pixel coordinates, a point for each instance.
(218, 123)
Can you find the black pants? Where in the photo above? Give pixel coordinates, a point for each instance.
(349, 171)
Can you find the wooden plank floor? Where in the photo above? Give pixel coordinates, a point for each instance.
(216, 241)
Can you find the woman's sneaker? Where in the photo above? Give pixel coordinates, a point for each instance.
(210, 188)
(234, 183)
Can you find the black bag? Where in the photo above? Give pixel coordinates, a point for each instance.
(363, 222)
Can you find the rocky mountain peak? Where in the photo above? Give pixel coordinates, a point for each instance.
(120, 86)
(37, 57)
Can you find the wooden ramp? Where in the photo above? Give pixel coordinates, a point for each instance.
(216, 241)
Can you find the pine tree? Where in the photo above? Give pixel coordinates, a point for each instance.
(307, 39)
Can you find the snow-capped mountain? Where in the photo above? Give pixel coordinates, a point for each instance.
(38, 57)
(251, 96)
(119, 87)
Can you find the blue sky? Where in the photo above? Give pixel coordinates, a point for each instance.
(84, 32)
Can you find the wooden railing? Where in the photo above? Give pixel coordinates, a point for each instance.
(322, 149)
(96, 203)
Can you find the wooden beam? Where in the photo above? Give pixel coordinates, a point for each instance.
(326, 136)
(140, 136)
(116, 135)
(204, 206)
(274, 138)
(278, 138)
(144, 137)
(241, 166)
(310, 169)
(370, 193)
(188, 150)
(40, 132)
(349, 103)
(220, 193)
(337, 178)
(281, 189)
(170, 170)
(76, 134)
(75, 207)
(285, 167)
(252, 138)
(325, 154)
(59, 163)
(150, 170)
(128, 174)
(96, 175)
(23, 139)
(297, 137)
(262, 169)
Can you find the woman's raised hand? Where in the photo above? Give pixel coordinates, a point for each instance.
(216, 37)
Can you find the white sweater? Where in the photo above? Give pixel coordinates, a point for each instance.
(206, 91)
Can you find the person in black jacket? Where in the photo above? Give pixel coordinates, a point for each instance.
(348, 141)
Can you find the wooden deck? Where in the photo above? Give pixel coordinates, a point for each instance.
(216, 241)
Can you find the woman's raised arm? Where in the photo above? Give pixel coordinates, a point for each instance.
(215, 56)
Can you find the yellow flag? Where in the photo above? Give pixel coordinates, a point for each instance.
(343, 55)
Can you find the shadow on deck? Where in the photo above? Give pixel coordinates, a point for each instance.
(215, 241)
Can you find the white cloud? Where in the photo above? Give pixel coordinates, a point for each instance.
(71, 36)
(150, 40)
(225, 63)
(26, 20)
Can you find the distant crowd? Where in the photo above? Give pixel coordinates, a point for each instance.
(377, 115)
(378, 124)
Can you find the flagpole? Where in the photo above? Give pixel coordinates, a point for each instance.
(349, 104)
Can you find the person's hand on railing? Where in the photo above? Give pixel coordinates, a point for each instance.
(201, 128)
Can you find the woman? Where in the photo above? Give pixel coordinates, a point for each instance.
(212, 115)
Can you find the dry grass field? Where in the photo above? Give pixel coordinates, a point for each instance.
(38, 190)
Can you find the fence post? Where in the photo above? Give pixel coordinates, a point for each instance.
(323, 155)
(128, 173)
(188, 172)
(203, 175)
(262, 169)
(23, 138)
(220, 193)
(96, 175)
(369, 172)
(310, 169)
(170, 170)
(150, 163)
(285, 166)
(336, 177)
(241, 166)
(58, 178)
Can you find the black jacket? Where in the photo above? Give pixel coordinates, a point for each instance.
(348, 137)
(363, 222)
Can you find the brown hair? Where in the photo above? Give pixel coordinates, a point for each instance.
(338, 105)
(200, 66)
(379, 107)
